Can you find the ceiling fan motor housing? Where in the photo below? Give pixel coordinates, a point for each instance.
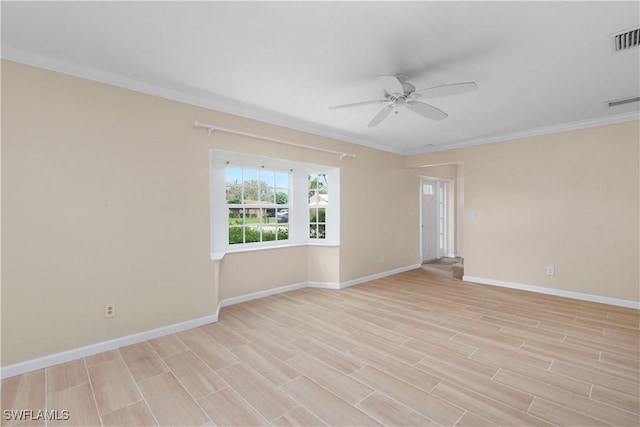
(407, 88)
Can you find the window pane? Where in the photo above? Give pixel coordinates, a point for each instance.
(236, 235)
(282, 180)
(322, 184)
(252, 216)
(267, 195)
(251, 234)
(313, 186)
(283, 233)
(269, 234)
(318, 190)
(321, 231)
(270, 216)
(313, 231)
(250, 195)
(267, 178)
(321, 215)
(282, 216)
(313, 181)
(251, 177)
(282, 196)
(233, 176)
(267, 192)
(234, 194)
(259, 216)
(313, 215)
(236, 216)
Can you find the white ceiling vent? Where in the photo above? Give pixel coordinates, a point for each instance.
(626, 40)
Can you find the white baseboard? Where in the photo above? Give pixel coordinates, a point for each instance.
(77, 353)
(378, 276)
(311, 284)
(261, 294)
(324, 285)
(556, 292)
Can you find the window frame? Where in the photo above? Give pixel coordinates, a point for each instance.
(298, 202)
(260, 205)
(317, 207)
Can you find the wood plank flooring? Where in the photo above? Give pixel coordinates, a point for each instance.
(416, 348)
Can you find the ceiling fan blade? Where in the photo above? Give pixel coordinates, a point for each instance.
(446, 90)
(357, 104)
(391, 84)
(382, 114)
(426, 110)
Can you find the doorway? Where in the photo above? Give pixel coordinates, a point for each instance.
(434, 213)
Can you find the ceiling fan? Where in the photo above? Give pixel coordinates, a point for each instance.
(398, 92)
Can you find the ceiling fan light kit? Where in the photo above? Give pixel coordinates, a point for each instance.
(398, 92)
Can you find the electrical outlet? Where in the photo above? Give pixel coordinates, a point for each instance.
(382, 258)
(109, 310)
(551, 270)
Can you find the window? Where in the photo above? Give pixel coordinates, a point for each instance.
(427, 189)
(258, 205)
(318, 201)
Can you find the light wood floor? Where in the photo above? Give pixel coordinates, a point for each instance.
(416, 349)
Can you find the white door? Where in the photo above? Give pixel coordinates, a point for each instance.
(442, 219)
(430, 233)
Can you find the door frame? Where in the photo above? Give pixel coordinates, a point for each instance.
(445, 250)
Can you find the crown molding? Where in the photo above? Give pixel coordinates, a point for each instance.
(230, 106)
(209, 101)
(546, 130)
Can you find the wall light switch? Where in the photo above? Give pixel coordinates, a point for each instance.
(551, 270)
(473, 215)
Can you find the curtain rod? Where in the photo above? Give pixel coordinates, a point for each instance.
(211, 128)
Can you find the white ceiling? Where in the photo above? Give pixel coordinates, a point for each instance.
(540, 66)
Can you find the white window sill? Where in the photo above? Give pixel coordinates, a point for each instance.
(217, 256)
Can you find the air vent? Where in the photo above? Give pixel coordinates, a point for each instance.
(623, 101)
(626, 40)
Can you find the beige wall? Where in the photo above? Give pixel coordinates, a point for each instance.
(99, 207)
(569, 199)
(379, 216)
(323, 264)
(106, 200)
(249, 272)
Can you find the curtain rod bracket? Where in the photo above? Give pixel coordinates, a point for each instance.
(211, 128)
